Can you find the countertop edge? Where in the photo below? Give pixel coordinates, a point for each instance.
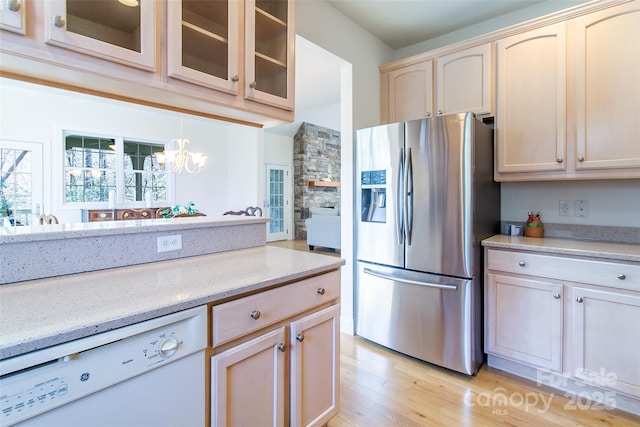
(102, 324)
(558, 246)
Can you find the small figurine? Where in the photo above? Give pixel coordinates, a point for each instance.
(534, 227)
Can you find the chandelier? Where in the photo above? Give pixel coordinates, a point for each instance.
(182, 159)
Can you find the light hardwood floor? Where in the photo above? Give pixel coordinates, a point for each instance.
(382, 388)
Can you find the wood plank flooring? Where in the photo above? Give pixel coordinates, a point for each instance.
(382, 388)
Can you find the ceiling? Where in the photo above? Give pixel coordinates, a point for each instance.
(401, 23)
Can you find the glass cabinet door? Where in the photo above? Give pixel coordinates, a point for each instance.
(12, 15)
(117, 30)
(203, 42)
(269, 39)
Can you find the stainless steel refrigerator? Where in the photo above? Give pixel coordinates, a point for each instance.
(425, 199)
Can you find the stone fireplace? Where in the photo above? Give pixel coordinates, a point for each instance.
(316, 158)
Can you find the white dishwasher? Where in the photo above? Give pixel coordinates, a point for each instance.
(147, 374)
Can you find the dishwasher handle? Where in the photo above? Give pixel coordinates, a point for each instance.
(446, 286)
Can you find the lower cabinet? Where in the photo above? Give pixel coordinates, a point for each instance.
(568, 322)
(524, 320)
(277, 361)
(606, 339)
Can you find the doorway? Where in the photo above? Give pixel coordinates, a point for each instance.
(277, 202)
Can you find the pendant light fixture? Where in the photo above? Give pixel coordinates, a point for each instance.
(182, 159)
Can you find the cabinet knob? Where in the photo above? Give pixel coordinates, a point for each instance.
(282, 347)
(14, 5)
(579, 299)
(581, 159)
(102, 215)
(59, 21)
(522, 263)
(428, 114)
(621, 276)
(145, 213)
(556, 295)
(255, 314)
(559, 160)
(235, 78)
(439, 112)
(300, 337)
(321, 291)
(253, 85)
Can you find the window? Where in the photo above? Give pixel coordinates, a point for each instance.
(95, 165)
(20, 181)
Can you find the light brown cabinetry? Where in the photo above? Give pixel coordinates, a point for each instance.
(97, 215)
(455, 82)
(568, 99)
(572, 316)
(277, 353)
(13, 15)
(204, 47)
(230, 60)
(407, 92)
(524, 320)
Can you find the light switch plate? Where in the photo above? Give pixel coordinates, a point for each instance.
(581, 208)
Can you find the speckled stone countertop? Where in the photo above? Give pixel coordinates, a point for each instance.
(41, 313)
(606, 250)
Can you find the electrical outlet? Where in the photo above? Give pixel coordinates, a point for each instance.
(565, 207)
(581, 208)
(170, 243)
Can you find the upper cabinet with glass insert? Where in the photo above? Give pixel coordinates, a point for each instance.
(269, 61)
(118, 30)
(202, 38)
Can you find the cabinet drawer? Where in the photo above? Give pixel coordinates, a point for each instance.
(604, 273)
(100, 215)
(234, 319)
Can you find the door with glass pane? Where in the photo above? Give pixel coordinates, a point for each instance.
(277, 202)
(21, 183)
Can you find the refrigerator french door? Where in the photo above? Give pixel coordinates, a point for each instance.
(426, 198)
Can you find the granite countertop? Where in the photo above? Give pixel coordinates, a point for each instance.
(593, 249)
(109, 228)
(41, 313)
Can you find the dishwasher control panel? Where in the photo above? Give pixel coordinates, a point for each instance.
(91, 364)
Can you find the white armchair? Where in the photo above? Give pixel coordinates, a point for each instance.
(323, 228)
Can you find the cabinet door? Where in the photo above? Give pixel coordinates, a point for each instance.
(411, 92)
(463, 81)
(315, 367)
(608, 88)
(12, 15)
(606, 339)
(531, 101)
(202, 39)
(248, 382)
(110, 30)
(524, 320)
(269, 52)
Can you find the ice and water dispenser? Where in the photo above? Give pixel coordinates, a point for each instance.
(374, 195)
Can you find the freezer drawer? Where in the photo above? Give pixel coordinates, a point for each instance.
(433, 318)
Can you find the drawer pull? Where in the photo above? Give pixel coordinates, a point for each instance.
(282, 347)
(556, 295)
(300, 337)
(102, 215)
(145, 213)
(255, 314)
(522, 263)
(579, 299)
(621, 276)
(321, 290)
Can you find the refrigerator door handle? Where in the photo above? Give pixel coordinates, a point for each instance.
(381, 275)
(408, 196)
(399, 205)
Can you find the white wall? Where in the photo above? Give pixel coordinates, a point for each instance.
(614, 202)
(323, 25)
(36, 113)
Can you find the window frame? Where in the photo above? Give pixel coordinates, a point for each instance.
(119, 138)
